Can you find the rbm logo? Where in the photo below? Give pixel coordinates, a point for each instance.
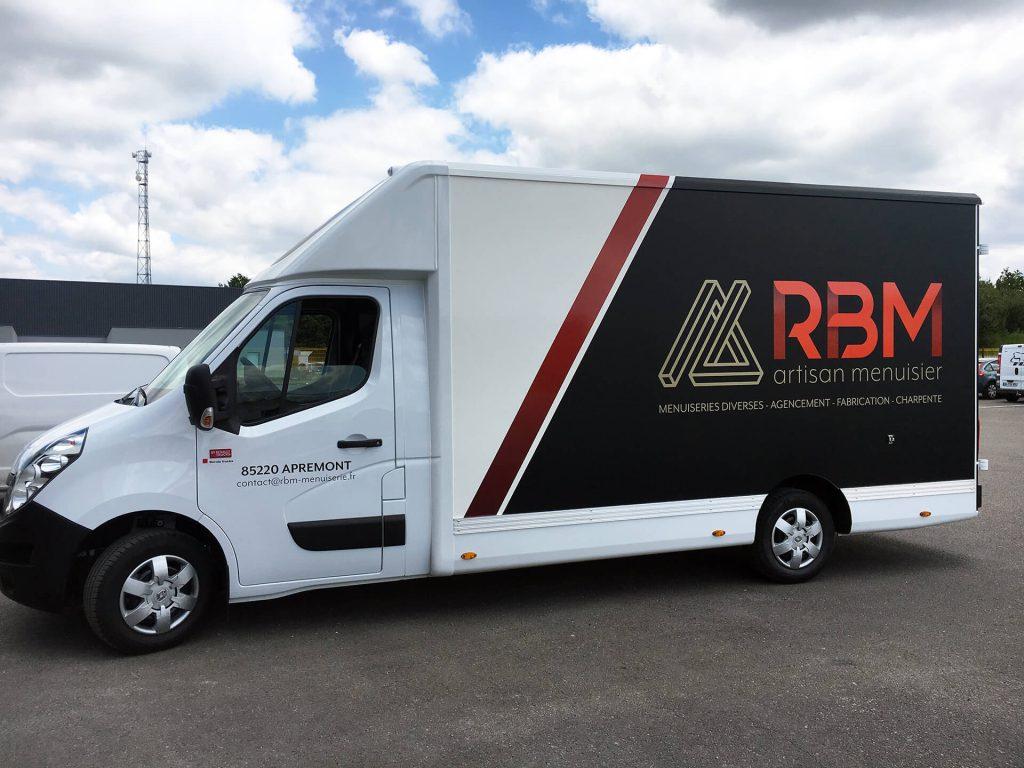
(894, 307)
(711, 348)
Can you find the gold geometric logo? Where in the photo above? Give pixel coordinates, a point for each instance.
(711, 348)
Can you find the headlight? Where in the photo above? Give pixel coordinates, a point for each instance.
(31, 473)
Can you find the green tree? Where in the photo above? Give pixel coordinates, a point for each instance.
(1010, 280)
(235, 281)
(1001, 309)
(991, 314)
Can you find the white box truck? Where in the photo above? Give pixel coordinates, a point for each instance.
(474, 368)
(1011, 371)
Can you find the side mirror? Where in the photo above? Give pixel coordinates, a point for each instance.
(200, 397)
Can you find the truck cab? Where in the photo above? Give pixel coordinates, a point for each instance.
(313, 471)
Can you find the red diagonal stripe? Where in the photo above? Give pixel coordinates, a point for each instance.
(566, 346)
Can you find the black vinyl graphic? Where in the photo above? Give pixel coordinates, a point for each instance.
(659, 410)
(349, 533)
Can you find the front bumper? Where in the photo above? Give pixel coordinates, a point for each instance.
(38, 550)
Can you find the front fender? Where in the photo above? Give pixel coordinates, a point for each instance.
(134, 459)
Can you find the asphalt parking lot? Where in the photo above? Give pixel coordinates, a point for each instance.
(908, 650)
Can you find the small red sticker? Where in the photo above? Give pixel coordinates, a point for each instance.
(220, 453)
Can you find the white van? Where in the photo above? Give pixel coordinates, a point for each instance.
(44, 384)
(1011, 371)
(474, 368)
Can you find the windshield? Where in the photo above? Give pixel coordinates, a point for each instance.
(173, 376)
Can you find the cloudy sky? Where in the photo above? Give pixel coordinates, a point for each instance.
(266, 116)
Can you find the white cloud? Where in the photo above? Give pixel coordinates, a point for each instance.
(16, 258)
(1002, 256)
(864, 102)
(390, 62)
(31, 204)
(549, 10)
(697, 23)
(783, 14)
(690, 89)
(81, 84)
(81, 77)
(226, 200)
(439, 17)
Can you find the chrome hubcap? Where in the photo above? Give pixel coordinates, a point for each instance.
(797, 537)
(159, 594)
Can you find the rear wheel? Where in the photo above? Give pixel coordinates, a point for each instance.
(795, 536)
(148, 590)
(1012, 397)
(991, 391)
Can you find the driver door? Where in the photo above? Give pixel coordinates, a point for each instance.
(298, 489)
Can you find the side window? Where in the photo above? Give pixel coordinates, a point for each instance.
(308, 352)
(262, 366)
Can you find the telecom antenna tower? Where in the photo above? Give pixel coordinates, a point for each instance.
(143, 263)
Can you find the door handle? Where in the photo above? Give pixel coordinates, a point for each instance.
(370, 442)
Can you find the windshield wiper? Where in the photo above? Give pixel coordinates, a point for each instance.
(143, 395)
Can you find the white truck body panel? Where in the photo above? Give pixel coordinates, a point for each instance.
(515, 245)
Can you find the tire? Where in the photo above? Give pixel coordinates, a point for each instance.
(991, 391)
(1012, 397)
(812, 542)
(164, 600)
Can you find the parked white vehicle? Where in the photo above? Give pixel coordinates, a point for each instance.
(44, 384)
(1011, 371)
(474, 368)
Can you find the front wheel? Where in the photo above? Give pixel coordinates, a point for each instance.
(148, 590)
(795, 536)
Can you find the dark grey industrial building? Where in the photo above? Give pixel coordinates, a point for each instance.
(66, 310)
